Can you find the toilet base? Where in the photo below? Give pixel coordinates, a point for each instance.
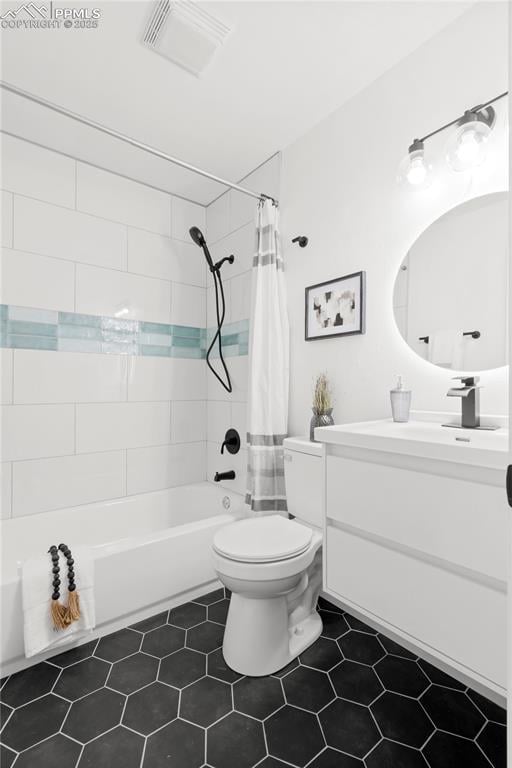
(258, 640)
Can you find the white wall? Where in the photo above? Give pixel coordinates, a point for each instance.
(231, 230)
(79, 426)
(339, 188)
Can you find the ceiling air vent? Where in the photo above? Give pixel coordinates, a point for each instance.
(184, 33)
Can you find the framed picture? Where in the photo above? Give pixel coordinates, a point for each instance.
(336, 307)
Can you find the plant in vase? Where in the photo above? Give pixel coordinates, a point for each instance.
(322, 406)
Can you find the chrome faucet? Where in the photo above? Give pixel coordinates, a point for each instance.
(470, 399)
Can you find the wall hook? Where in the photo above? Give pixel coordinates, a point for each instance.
(302, 240)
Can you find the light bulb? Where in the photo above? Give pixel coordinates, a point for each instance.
(466, 148)
(413, 169)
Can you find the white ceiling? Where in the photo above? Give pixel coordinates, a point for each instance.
(285, 66)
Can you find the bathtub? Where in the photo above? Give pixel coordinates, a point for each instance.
(151, 552)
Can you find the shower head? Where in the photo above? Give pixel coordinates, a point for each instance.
(198, 238)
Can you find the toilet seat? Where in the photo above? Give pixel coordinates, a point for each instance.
(267, 539)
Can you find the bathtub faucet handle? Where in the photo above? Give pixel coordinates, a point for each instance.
(231, 441)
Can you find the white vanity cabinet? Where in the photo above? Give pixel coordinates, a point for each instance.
(419, 544)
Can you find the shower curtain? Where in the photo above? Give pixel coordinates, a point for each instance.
(268, 369)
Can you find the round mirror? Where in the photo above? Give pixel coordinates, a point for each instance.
(450, 298)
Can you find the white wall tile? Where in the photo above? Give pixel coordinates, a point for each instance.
(5, 494)
(29, 280)
(107, 426)
(239, 420)
(6, 366)
(263, 179)
(188, 305)
(242, 245)
(218, 462)
(159, 256)
(188, 421)
(188, 379)
(184, 216)
(37, 172)
(54, 231)
(68, 377)
(46, 484)
(240, 297)
(238, 371)
(150, 469)
(217, 218)
(37, 431)
(211, 311)
(188, 264)
(218, 420)
(113, 197)
(121, 294)
(150, 378)
(6, 202)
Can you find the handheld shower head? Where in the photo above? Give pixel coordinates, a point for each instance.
(198, 238)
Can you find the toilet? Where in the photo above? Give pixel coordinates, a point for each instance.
(273, 567)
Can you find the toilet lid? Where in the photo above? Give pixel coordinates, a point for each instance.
(262, 539)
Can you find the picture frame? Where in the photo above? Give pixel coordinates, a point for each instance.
(336, 307)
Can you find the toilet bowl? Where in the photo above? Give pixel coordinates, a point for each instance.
(273, 567)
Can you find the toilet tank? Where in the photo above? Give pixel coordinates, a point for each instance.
(303, 474)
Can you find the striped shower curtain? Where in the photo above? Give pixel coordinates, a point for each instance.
(268, 369)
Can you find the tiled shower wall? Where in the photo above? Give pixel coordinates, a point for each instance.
(120, 291)
(231, 230)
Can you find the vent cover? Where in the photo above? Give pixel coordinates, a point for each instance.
(184, 33)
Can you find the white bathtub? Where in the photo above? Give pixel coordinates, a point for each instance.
(151, 552)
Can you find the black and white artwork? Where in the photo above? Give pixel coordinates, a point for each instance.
(336, 307)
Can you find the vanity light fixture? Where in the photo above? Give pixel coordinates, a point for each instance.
(465, 149)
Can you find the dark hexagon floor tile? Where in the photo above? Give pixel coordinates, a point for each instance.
(120, 748)
(349, 727)
(308, 689)
(79, 653)
(59, 750)
(356, 682)
(187, 615)
(334, 625)
(394, 648)
(206, 701)
(359, 625)
(152, 622)
(177, 745)
(389, 754)
(326, 605)
(402, 676)
(489, 709)
(163, 640)
(362, 647)
(182, 668)
(128, 675)
(294, 736)
(323, 655)
(258, 696)
(219, 612)
(34, 722)
(452, 711)
(210, 597)
(493, 741)
(151, 708)
(402, 719)
(446, 751)
(438, 677)
(270, 762)
(5, 711)
(217, 667)
(286, 670)
(29, 684)
(82, 678)
(330, 758)
(94, 714)
(236, 741)
(119, 644)
(7, 757)
(205, 637)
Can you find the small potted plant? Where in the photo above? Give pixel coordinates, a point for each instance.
(322, 406)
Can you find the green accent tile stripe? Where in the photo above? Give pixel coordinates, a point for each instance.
(31, 328)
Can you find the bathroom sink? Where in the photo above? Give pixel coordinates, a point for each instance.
(424, 435)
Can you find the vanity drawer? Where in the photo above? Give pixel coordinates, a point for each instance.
(463, 619)
(447, 517)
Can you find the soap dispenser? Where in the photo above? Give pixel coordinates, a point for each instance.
(400, 401)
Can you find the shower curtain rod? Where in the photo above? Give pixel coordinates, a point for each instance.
(128, 140)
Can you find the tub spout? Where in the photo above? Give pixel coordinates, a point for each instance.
(229, 475)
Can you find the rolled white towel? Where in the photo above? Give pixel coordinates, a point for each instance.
(36, 583)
